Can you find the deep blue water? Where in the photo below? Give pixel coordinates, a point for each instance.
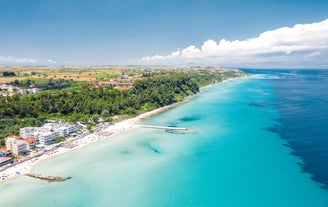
(302, 102)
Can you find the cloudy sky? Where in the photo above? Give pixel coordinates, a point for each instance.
(234, 33)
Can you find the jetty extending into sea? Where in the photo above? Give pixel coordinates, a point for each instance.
(164, 127)
(49, 179)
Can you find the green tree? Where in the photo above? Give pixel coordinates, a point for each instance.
(89, 127)
(95, 117)
(105, 113)
(7, 73)
(60, 139)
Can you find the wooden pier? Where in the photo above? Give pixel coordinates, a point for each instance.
(164, 127)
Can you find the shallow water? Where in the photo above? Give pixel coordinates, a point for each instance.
(231, 157)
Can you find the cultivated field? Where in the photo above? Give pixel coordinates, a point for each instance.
(94, 73)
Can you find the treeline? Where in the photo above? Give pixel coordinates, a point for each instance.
(207, 77)
(8, 74)
(50, 84)
(87, 100)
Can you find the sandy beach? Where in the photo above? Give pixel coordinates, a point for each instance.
(112, 130)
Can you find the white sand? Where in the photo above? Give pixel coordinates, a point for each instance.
(26, 167)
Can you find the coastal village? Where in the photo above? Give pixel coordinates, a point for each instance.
(55, 137)
(39, 143)
(10, 90)
(34, 139)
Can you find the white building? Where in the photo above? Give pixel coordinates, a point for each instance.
(4, 87)
(63, 129)
(10, 88)
(9, 141)
(48, 133)
(28, 132)
(23, 91)
(28, 91)
(51, 126)
(16, 146)
(66, 129)
(48, 137)
(19, 146)
(34, 90)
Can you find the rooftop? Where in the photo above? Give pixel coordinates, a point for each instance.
(30, 140)
(4, 159)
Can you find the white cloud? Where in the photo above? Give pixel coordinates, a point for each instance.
(283, 47)
(9, 60)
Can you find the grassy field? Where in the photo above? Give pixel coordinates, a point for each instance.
(84, 73)
(40, 74)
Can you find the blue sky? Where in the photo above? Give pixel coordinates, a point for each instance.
(79, 32)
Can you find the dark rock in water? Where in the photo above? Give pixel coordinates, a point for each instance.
(49, 179)
(189, 118)
(126, 152)
(172, 125)
(174, 131)
(150, 147)
(155, 150)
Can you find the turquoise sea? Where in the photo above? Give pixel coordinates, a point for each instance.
(234, 156)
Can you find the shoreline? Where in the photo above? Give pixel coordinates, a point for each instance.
(28, 166)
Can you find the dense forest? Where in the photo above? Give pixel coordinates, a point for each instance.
(87, 101)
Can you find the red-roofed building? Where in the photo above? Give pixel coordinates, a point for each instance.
(31, 142)
(14, 137)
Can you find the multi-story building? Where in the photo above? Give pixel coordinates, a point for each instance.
(66, 129)
(16, 145)
(9, 141)
(48, 137)
(49, 126)
(19, 146)
(30, 142)
(48, 133)
(28, 132)
(63, 131)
